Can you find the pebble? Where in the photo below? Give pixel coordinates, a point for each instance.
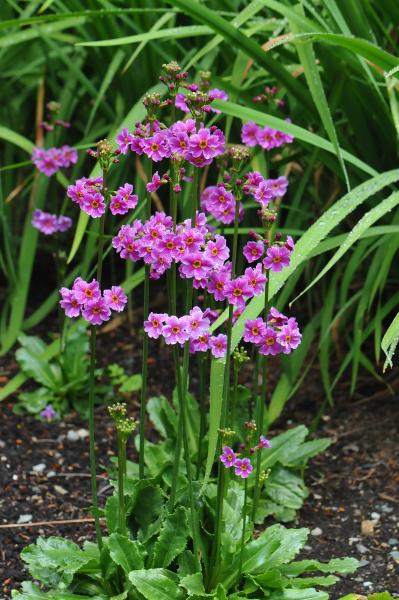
(395, 555)
(317, 497)
(352, 540)
(76, 435)
(367, 527)
(361, 548)
(393, 541)
(367, 583)
(39, 468)
(2, 444)
(24, 518)
(386, 508)
(375, 516)
(316, 531)
(51, 474)
(363, 562)
(307, 547)
(60, 490)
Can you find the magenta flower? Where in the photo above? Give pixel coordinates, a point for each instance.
(237, 290)
(69, 303)
(45, 222)
(289, 243)
(174, 330)
(64, 223)
(115, 298)
(155, 183)
(195, 265)
(249, 134)
(228, 457)
(154, 324)
(85, 291)
(197, 323)
(96, 311)
(48, 413)
(266, 138)
(264, 443)
(278, 186)
(270, 344)
(263, 193)
(256, 279)
(155, 147)
(253, 250)
(93, 204)
(289, 336)
(201, 344)
(243, 467)
(51, 160)
(276, 317)
(217, 250)
(216, 94)
(277, 257)
(180, 103)
(217, 284)
(124, 140)
(218, 345)
(254, 330)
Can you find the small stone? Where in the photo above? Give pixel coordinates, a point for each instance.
(393, 541)
(24, 519)
(367, 583)
(363, 562)
(317, 496)
(39, 468)
(2, 444)
(76, 435)
(395, 555)
(51, 474)
(316, 531)
(375, 516)
(367, 527)
(307, 547)
(362, 549)
(353, 540)
(386, 508)
(60, 490)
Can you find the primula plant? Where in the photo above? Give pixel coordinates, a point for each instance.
(192, 535)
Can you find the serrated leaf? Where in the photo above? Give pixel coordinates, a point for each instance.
(286, 488)
(335, 565)
(132, 383)
(172, 538)
(162, 416)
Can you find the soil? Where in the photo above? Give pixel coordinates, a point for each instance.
(352, 509)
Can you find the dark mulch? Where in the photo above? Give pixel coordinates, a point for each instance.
(45, 477)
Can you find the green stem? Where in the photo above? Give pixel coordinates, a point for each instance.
(121, 473)
(202, 373)
(235, 395)
(244, 519)
(92, 447)
(144, 370)
(260, 411)
(226, 384)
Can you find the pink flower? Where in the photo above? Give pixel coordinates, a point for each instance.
(115, 298)
(278, 186)
(256, 279)
(64, 223)
(289, 243)
(264, 443)
(155, 183)
(180, 102)
(263, 193)
(124, 140)
(217, 250)
(270, 344)
(155, 147)
(277, 257)
(265, 138)
(96, 311)
(249, 133)
(197, 323)
(85, 291)
(216, 94)
(243, 467)
(69, 303)
(254, 330)
(253, 250)
(237, 290)
(45, 222)
(218, 345)
(228, 457)
(174, 330)
(289, 336)
(217, 284)
(201, 344)
(195, 265)
(93, 204)
(51, 160)
(154, 324)
(276, 317)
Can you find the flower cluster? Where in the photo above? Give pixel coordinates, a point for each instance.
(214, 94)
(275, 335)
(242, 466)
(87, 300)
(266, 137)
(193, 328)
(49, 224)
(87, 193)
(219, 202)
(51, 160)
(181, 140)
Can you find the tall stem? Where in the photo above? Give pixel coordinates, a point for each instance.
(260, 411)
(226, 384)
(244, 520)
(144, 371)
(121, 473)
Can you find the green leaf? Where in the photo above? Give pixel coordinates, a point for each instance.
(193, 584)
(335, 565)
(172, 539)
(132, 383)
(390, 341)
(274, 547)
(30, 591)
(156, 584)
(17, 139)
(126, 553)
(162, 416)
(170, 33)
(286, 488)
(296, 594)
(216, 394)
(33, 402)
(361, 226)
(55, 560)
(28, 357)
